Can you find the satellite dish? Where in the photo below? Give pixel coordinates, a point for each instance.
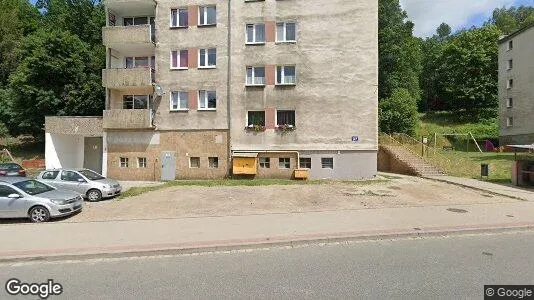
(158, 90)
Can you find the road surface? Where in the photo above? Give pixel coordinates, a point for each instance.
(454, 267)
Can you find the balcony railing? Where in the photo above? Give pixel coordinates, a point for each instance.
(126, 78)
(128, 119)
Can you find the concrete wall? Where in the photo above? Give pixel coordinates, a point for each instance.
(64, 151)
(89, 126)
(389, 163)
(150, 144)
(336, 60)
(347, 164)
(123, 78)
(523, 90)
(127, 119)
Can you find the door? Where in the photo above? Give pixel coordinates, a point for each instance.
(11, 207)
(168, 165)
(92, 155)
(71, 180)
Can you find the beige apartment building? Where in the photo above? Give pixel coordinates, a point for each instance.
(212, 88)
(516, 87)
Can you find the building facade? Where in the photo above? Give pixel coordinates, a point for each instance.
(516, 88)
(211, 88)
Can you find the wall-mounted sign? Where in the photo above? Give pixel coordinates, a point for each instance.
(355, 138)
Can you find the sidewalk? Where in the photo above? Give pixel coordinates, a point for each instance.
(497, 189)
(94, 239)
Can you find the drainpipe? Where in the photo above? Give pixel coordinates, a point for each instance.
(275, 151)
(228, 91)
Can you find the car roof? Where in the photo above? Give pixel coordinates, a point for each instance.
(65, 169)
(14, 179)
(9, 164)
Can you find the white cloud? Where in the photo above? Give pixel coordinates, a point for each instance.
(428, 14)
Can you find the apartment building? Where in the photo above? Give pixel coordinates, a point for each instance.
(211, 88)
(516, 88)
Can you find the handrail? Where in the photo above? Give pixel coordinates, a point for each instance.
(427, 148)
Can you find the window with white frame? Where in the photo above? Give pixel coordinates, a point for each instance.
(265, 162)
(194, 162)
(213, 162)
(510, 64)
(255, 33)
(327, 162)
(510, 45)
(286, 32)
(141, 162)
(284, 163)
(510, 102)
(207, 58)
(140, 62)
(285, 117)
(179, 59)
(207, 15)
(286, 75)
(123, 162)
(135, 101)
(305, 162)
(179, 100)
(256, 118)
(179, 17)
(510, 84)
(207, 100)
(255, 75)
(510, 121)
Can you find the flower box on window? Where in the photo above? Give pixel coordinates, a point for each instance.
(255, 128)
(285, 127)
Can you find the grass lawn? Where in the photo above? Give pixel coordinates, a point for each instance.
(240, 182)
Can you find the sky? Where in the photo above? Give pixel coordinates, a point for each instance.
(428, 14)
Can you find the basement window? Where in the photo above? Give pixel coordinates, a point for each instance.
(327, 162)
(213, 162)
(123, 162)
(305, 163)
(194, 162)
(284, 163)
(265, 162)
(141, 162)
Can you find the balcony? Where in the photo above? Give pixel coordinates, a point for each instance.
(127, 78)
(128, 119)
(131, 7)
(129, 40)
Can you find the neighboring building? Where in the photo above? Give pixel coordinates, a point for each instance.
(516, 87)
(196, 86)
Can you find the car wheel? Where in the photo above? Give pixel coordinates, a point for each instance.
(94, 195)
(39, 214)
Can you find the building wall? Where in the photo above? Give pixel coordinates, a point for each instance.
(347, 164)
(63, 151)
(150, 144)
(335, 97)
(522, 91)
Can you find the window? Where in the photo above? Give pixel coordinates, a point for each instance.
(285, 75)
(510, 45)
(123, 162)
(179, 100)
(207, 58)
(305, 162)
(135, 101)
(510, 102)
(5, 191)
(50, 175)
(140, 62)
(255, 33)
(213, 162)
(179, 17)
(70, 176)
(510, 84)
(510, 64)
(256, 118)
(135, 21)
(207, 100)
(141, 162)
(194, 162)
(265, 162)
(327, 163)
(285, 117)
(510, 121)
(284, 163)
(286, 32)
(179, 59)
(255, 75)
(207, 15)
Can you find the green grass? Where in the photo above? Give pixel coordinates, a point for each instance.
(239, 182)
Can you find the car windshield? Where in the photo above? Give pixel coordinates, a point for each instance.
(33, 187)
(9, 167)
(91, 175)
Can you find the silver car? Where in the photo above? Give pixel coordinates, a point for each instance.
(21, 197)
(84, 181)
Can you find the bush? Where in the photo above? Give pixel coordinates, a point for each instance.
(398, 114)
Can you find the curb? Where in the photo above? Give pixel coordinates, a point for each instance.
(260, 243)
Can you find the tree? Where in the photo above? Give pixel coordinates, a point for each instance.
(468, 70)
(443, 31)
(398, 114)
(54, 77)
(511, 19)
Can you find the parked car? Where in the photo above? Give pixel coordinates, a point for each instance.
(21, 197)
(12, 169)
(87, 182)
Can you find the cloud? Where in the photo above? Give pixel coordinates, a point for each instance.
(428, 14)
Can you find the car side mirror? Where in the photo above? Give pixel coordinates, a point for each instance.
(14, 196)
(81, 180)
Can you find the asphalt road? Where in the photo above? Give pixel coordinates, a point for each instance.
(431, 268)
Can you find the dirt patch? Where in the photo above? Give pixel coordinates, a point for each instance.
(192, 201)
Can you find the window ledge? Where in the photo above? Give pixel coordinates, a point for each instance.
(255, 85)
(207, 25)
(208, 67)
(180, 110)
(206, 109)
(255, 43)
(181, 68)
(178, 27)
(285, 84)
(285, 42)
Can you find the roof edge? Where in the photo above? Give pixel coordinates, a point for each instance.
(515, 33)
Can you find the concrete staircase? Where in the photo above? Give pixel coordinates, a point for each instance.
(413, 162)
